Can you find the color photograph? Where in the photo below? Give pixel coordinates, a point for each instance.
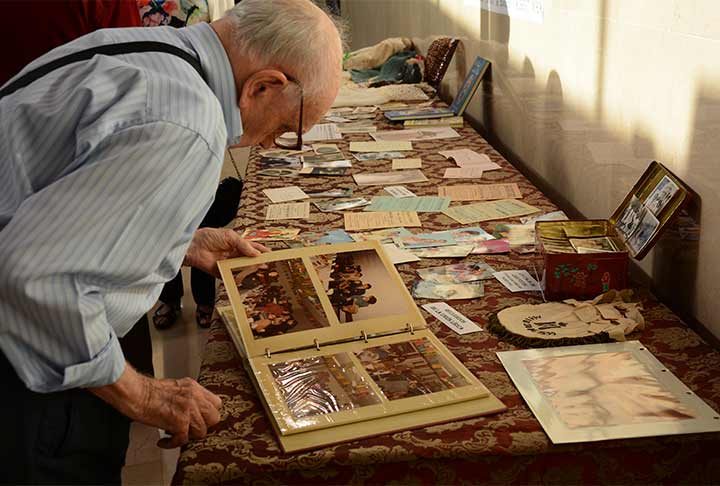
(322, 385)
(429, 290)
(410, 369)
(279, 298)
(359, 286)
(457, 273)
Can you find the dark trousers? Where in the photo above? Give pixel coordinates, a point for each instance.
(64, 437)
(221, 212)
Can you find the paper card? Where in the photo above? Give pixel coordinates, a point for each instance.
(505, 208)
(325, 238)
(398, 255)
(284, 194)
(278, 152)
(517, 280)
(457, 273)
(416, 134)
(319, 132)
(278, 172)
(383, 235)
(661, 195)
(406, 164)
(463, 173)
(270, 234)
(330, 157)
(280, 162)
(323, 171)
(357, 129)
(480, 192)
(360, 221)
(491, 247)
(554, 216)
(380, 146)
(338, 192)
(341, 204)
(451, 318)
(516, 234)
(399, 191)
(336, 119)
(421, 204)
(472, 234)
(424, 240)
(288, 211)
(378, 156)
(327, 165)
(470, 158)
(455, 251)
(394, 177)
(364, 109)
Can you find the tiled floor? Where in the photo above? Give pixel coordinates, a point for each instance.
(176, 353)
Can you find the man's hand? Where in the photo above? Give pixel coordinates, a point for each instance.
(212, 244)
(181, 407)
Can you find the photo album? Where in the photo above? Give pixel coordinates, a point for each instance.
(337, 349)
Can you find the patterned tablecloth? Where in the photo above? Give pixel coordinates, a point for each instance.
(501, 448)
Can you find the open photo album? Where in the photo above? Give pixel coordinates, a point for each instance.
(337, 348)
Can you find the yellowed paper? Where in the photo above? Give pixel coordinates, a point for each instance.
(463, 173)
(470, 158)
(479, 192)
(406, 164)
(380, 219)
(506, 208)
(288, 211)
(284, 194)
(380, 146)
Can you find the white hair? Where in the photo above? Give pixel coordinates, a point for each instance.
(289, 34)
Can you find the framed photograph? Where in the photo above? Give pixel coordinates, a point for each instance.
(661, 195)
(605, 391)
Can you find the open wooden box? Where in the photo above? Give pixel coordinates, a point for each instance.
(584, 258)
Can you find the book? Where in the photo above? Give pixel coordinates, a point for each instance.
(459, 104)
(337, 349)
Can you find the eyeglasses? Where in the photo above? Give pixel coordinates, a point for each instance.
(293, 143)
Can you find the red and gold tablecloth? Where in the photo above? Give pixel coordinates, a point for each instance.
(501, 448)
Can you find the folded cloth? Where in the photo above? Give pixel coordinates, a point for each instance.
(375, 56)
(352, 95)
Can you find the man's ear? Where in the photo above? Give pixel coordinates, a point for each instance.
(264, 85)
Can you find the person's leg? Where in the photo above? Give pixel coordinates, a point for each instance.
(168, 311)
(64, 437)
(203, 290)
(137, 346)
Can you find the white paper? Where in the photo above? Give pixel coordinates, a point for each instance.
(451, 318)
(285, 194)
(517, 280)
(398, 255)
(399, 191)
(321, 131)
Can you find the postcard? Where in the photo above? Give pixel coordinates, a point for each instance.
(359, 221)
(341, 204)
(469, 158)
(270, 234)
(323, 171)
(378, 156)
(410, 369)
(455, 251)
(423, 289)
(280, 162)
(480, 192)
(487, 211)
(517, 280)
(278, 172)
(451, 317)
(319, 132)
(515, 234)
(339, 192)
(399, 191)
(491, 247)
(463, 173)
(661, 195)
(288, 211)
(421, 204)
(327, 165)
(383, 235)
(380, 146)
(398, 255)
(424, 240)
(554, 216)
(394, 177)
(468, 235)
(315, 158)
(325, 148)
(645, 231)
(415, 135)
(457, 273)
(311, 238)
(630, 218)
(398, 164)
(593, 245)
(285, 194)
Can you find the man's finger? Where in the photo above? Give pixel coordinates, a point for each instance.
(198, 428)
(260, 247)
(176, 440)
(210, 414)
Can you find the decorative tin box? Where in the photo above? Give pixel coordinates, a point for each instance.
(584, 258)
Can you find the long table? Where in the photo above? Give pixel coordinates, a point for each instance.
(509, 447)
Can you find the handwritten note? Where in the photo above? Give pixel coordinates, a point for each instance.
(419, 204)
(406, 164)
(380, 146)
(284, 194)
(288, 211)
(477, 192)
(487, 211)
(399, 191)
(463, 173)
(358, 221)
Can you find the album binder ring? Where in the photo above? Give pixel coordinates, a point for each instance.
(363, 335)
(317, 344)
(267, 353)
(410, 328)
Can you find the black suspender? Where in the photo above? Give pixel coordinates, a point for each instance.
(106, 50)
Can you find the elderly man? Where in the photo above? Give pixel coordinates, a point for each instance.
(108, 161)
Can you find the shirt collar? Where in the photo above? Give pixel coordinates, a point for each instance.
(216, 64)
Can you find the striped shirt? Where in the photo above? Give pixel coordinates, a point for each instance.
(107, 167)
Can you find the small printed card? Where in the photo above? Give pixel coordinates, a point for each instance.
(425, 240)
(398, 255)
(517, 280)
(406, 164)
(455, 251)
(325, 148)
(457, 273)
(399, 191)
(288, 211)
(380, 146)
(270, 234)
(360, 221)
(377, 156)
(382, 235)
(451, 318)
(284, 194)
(463, 173)
(480, 192)
(341, 204)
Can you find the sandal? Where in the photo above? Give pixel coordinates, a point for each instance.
(203, 315)
(166, 315)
